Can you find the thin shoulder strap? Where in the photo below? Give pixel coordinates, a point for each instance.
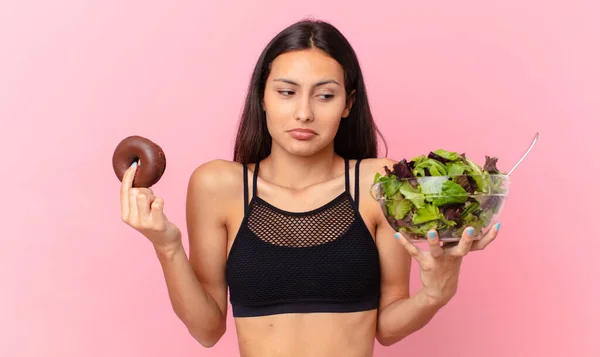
(245, 188)
(347, 174)
(255, 179)
(356, 181)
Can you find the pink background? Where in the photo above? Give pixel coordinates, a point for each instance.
(474, 76)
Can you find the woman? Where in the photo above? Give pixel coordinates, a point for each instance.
(312, 266)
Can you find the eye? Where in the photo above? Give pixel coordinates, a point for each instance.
(285, 93)
(326, 96)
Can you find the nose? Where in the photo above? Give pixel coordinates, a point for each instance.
(304, 111)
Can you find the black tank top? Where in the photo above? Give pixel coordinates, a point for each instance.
(323, 260)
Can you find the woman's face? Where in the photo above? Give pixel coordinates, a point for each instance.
(304, 101)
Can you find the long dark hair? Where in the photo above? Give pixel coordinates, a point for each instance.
(357, 135)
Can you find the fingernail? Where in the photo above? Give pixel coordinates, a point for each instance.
(470, 231)
(134, 163)
(497, 226)
(397, 235)
(432, 235)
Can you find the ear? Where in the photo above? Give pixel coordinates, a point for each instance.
(349, 102)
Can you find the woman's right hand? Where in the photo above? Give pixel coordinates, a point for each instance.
(143, 211)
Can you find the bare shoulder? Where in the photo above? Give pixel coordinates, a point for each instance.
(217, 176)
(216, 183)
(370, 167)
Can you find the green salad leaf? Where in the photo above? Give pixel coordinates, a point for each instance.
(443, 190)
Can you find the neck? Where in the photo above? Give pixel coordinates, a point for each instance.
(297, 172)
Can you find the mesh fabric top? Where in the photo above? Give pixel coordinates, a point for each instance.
(323, 260)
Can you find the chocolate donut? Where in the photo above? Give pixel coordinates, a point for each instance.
(150, 157)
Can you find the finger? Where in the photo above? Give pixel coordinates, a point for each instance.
(143, 207)
(464, 245)
(158, 216)
(133, 211)
(151, 199)
(487, 239)
(435, 249)
(413, 250)
(126, 184)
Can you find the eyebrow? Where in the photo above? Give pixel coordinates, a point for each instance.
(327, 81)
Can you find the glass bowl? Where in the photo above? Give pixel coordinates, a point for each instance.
(448, 204)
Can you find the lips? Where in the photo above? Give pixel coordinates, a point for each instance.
(302, 134)
(301, 130)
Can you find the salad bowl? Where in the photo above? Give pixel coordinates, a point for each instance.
(443, 191)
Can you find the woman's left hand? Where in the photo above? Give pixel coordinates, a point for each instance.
(440, 265)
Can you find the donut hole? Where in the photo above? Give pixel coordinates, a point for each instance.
(137, 159)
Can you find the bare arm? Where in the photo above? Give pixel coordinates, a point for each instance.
(399, 313)
(190, 300)
(197, 291)
(197, 286)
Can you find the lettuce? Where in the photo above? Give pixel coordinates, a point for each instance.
(443, 190)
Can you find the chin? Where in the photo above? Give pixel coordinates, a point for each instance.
(304, 148)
